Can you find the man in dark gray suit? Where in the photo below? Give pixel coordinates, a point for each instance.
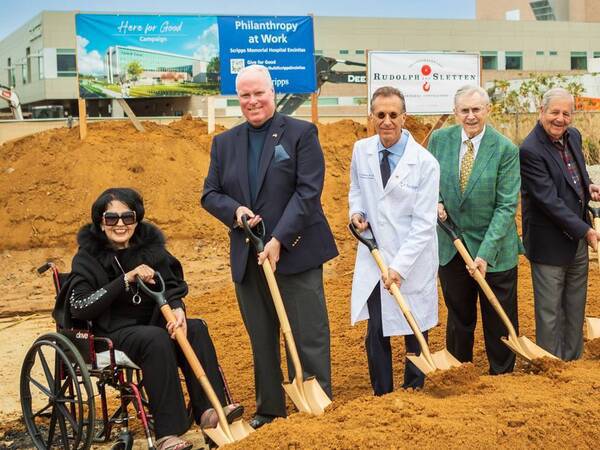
(271, 168)
(556, 189)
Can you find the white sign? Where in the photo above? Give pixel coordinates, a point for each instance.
(428, 80)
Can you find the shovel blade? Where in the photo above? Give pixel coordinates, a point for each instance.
(240, 429)
(442, 360)
(526, 348)
(310, 398)
(219, 436)
(592, 327)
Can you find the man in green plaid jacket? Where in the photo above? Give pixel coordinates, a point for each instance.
(479, 191)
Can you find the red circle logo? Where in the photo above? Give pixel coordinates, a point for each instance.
(426, 69)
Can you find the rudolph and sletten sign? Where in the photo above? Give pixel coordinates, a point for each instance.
(428, 80)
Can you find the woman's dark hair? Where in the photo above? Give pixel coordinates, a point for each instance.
(127, 196)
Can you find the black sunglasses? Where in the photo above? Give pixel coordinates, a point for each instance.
(393, 115)
(112, 218)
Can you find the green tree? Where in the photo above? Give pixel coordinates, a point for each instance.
(529, 94)
(134, 70)
(213, 69)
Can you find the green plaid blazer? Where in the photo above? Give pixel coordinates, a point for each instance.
(485, 213)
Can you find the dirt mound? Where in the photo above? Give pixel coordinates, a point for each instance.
(454, 381)
(49, 180)
(592, 349)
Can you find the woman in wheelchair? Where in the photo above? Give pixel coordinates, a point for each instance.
(116, 249)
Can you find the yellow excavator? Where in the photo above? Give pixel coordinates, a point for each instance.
(11, 97)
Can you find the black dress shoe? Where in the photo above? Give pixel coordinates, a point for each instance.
(259, 420)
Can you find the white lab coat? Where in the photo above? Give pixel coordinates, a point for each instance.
(403, 219)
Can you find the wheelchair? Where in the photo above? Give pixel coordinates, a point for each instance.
(58, 398)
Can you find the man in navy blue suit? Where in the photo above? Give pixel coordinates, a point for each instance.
(556, 189)
(271, 168)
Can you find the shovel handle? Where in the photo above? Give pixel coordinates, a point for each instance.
(371, 243)
(595, 212)
(449, 227)
(186, 348)
(405, 309)
(257, 239)
(284, 322)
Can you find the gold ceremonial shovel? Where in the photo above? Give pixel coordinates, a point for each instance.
(521, 345)
(224, 432)
(307, 394)
(593, 323)
(426, 362)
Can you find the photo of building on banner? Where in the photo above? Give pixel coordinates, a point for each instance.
(428, 80)
(129, 56)
(285, 45)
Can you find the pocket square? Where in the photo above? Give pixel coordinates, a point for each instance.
(280, 153)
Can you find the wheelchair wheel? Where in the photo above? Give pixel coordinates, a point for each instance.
(56, 395)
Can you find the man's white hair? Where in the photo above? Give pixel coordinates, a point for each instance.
(256, 68)
(471, 89)
(556, 92)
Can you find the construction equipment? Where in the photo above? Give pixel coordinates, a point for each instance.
(325, 74)
(426, 362)
(593, 323)
(224, 433)
(11, 97)
(307, 394)
(521, 345)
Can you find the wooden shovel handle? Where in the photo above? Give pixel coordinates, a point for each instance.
(485, 287)
(405, 309)
(284, 322)
(194, 363)
(597, 228)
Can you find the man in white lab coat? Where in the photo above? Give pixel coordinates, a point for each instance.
(394, 188)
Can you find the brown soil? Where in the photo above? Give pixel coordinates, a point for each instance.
(47, 183)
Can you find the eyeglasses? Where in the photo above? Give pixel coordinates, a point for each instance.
(392, 115)
(112, 218)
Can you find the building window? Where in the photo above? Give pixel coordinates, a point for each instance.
(578, 61)
(328, 101)
(66, 66)
(514, 60)
(318, 52)
(28, 64)
(359, 52)
(539, 53)
(344, 52)
(553, 53)
(542, 10)
(11, 74)
(489, 60)
(233, 102)
(596, 54)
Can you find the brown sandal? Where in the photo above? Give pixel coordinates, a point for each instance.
(173, 442)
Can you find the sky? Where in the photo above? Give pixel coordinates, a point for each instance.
(15, 13)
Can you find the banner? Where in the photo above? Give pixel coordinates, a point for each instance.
(428, 80)
(285, 45)
(153, 56)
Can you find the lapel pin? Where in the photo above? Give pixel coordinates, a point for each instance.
(274, 135)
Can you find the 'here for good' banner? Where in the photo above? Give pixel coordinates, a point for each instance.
(158, 56)
(428, 80)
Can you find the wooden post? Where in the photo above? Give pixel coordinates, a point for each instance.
(82, 118)
(210, 106)
(314, 107)
(128, 111)
(441, 121)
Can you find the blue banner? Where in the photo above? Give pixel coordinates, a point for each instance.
(285, 45)
(146, 55)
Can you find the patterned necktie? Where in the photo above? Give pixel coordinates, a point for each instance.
(466, 165)
(384, 166)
